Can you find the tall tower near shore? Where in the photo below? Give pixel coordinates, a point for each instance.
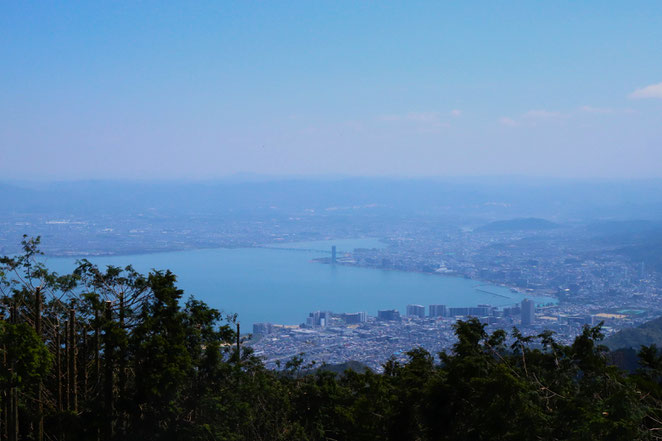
(333, 254)
(528, 312)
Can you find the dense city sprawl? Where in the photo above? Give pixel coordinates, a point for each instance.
(592, 282)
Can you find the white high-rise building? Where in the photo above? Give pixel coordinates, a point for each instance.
(416, 311)
(437, 311)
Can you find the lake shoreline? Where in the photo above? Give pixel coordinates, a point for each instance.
(448, 275)
(276, 285)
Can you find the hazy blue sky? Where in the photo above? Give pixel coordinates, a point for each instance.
(208, 89)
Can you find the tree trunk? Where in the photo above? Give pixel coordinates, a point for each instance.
(97, 359)
(73, 366)
(108, 376)
(58, 365)
(83, 367)
(5, 414)
(238, 345)
(13, 399)
(67, 365)
(39, 436)
(4, 433)
(121, 422)
(97, 348)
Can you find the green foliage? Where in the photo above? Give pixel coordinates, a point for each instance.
(25, 358)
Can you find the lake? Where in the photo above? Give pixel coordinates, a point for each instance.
(282, 284)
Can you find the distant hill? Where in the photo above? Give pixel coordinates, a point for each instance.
(649, 253)
(519, 224)
(627, 229)
(639, 240)
(647, 334)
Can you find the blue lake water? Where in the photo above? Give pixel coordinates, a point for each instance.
(281, 284)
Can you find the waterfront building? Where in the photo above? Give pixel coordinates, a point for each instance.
(528, 309)
(437, 311)
(416, 311)
(513, 311)
(481, 311)
(333, 254)
(354, 318)
(262, 328)
(388, 315)
(474, 311)
(455, 311)
(318, 318)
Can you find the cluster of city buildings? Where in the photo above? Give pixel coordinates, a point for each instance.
(324, 318)
(328, 337)
(487, 313)
(568, 264)
(592, 279)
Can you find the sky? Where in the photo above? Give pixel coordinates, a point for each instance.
(200, 90)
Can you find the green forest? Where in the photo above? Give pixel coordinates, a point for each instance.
(111, 354)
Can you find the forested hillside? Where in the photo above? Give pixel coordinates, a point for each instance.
(649, 333)
(110, 354)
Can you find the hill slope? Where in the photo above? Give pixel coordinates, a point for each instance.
(647, 334)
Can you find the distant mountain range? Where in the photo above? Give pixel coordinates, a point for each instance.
(470, 198)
